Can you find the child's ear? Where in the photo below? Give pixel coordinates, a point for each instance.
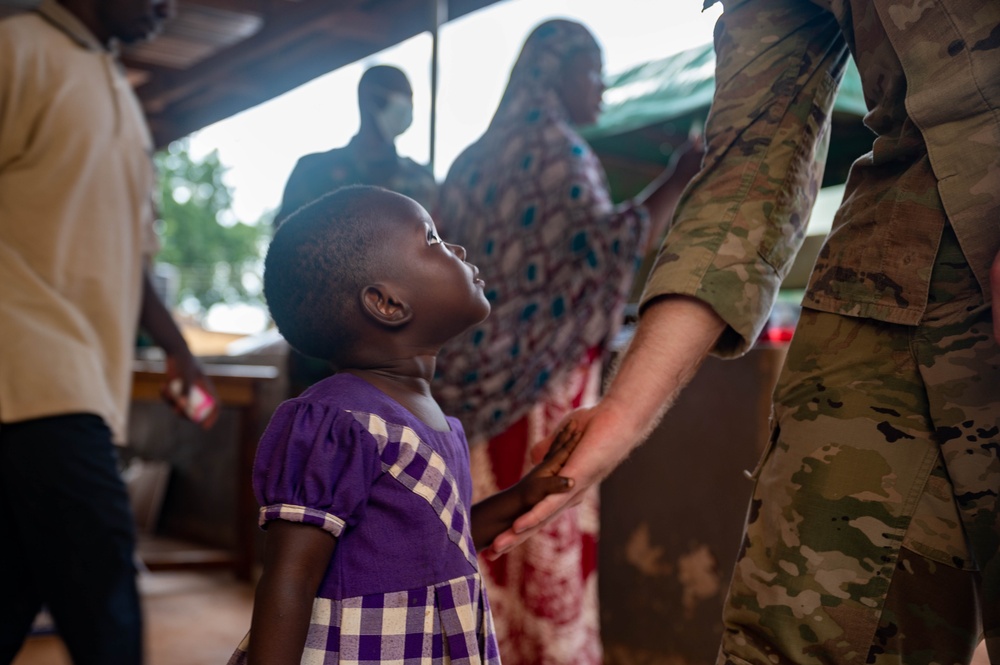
(380, 303)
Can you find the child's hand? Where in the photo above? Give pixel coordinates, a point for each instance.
(544, 479)
(496, 514)
(578, 419)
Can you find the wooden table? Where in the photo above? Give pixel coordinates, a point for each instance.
(238, 387)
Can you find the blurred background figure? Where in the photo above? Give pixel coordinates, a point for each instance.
(75, 238)
(530, 202)
(385, 101)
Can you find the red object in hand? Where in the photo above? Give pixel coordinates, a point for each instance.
(198, 405)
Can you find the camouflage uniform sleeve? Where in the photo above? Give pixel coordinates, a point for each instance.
(743, 217)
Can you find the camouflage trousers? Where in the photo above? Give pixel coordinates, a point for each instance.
(873, 530)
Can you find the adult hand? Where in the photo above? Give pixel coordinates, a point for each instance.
(604, 445)
(995, 290)
(184, 378)
(661, 196)
(687, 159)
(674, 336)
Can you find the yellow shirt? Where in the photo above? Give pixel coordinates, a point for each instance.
(75, 218)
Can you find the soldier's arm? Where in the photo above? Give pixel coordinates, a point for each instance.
(737, 227)
(674, 338)
(743, 217)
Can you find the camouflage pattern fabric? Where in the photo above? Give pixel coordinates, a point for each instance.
(887, 415)
(930, 73)
(885, 442)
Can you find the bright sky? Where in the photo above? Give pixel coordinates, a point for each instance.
(260, 146)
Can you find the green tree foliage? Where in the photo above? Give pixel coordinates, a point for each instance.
(218, 258)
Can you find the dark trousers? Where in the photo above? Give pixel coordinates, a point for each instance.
(67, 540)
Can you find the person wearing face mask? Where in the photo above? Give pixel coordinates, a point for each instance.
(385, 100)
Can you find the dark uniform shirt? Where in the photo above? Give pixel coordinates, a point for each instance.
(320, 173)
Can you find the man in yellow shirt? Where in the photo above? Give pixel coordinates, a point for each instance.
(75, 235)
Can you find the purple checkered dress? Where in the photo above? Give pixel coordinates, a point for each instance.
(403, 585)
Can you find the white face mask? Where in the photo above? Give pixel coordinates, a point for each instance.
(396, 117)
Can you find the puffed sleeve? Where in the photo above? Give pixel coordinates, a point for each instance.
(743, 217)
(314, 465)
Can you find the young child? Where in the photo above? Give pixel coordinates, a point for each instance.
(363, 481)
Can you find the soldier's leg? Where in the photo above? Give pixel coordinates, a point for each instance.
(960, 363)
(927, 614)
(845, 472)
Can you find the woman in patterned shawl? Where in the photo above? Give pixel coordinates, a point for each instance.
(530, 202)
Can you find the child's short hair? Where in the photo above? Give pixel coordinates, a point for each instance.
(318, 262)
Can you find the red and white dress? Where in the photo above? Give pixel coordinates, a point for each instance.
(529, 201)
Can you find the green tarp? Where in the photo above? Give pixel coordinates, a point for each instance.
(681, 86)
(650, 110)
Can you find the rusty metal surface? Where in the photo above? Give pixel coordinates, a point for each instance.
(672, 517)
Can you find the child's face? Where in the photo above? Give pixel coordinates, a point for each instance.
(442, 288)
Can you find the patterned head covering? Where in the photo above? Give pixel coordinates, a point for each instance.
(529, 202)
(539, 67)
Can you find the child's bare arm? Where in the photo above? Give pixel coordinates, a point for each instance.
(495, 514)
(295, 559)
